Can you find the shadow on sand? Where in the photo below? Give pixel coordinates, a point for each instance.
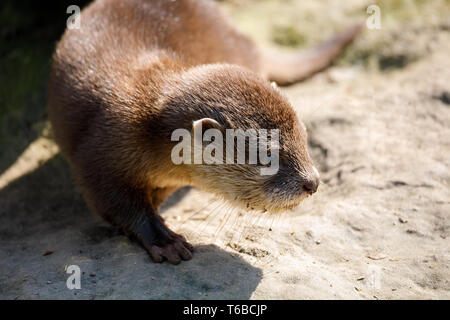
(42, 211)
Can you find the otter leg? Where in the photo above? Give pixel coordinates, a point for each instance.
(159, 195)
(161, 242)
(156, 237)
(132, 210)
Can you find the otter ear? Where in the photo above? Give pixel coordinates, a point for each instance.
(204, 124)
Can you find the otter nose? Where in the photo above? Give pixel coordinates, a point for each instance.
(311, 185)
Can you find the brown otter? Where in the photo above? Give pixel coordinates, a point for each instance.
(137, 70)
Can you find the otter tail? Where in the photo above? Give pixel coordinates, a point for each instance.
(289, 68)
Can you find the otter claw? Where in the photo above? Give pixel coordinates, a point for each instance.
(173, 252)
(156, 254)
(162, 243)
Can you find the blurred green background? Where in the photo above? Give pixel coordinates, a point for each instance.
(29, 31)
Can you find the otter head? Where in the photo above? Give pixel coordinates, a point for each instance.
(245, 142)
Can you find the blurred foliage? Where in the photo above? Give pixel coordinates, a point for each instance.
(406, 26)
(288, 36)
(28, 34)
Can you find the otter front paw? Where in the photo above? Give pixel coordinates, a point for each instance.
(162, 243)
(175, 251)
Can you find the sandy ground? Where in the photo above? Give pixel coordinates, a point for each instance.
(379, 227)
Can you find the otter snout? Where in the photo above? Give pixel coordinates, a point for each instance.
(312, 183)
(310, 186)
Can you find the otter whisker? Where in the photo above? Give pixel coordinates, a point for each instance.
(237, 229)
(245, 232)
(232, 228)
(212, 214)
(196, 212)
(224, 222)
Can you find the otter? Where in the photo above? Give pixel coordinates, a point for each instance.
(137, 70)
